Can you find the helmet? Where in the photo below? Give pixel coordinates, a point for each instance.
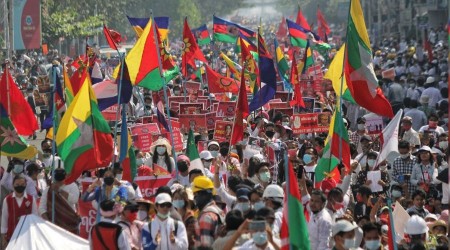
(202, 183)
(416, 226)
(273, 191)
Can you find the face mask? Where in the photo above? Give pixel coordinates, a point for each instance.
(60, 176)
(201, 200)
(176, 92)
(258, 205)
(285, 124)
(412, 85)
(163, 216)
(214, 153)
(349, 243)
(178, 203)
(242, 206)
(108, 181)
(132, 216)
(396, 194)
(361, 126)
(161, 150)
(139, 161)
(182, 166)
(260, 238)
(264, 177)
(142, 215)
(18, 169)
(373, 244)
(270, 134)
(443, 144)
(307, 158)
(119, 177)
(371, 162)
(19, 189)
(382, 167)
(207, 164)
(404, 156)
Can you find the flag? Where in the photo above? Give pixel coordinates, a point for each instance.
(11, 143)
(307, 59)
(282, 65)
(301, 20)
(129, 164)
(142, 61)
(220, 84)
(448, 30)
(160, 116)
(282, 29)
(68, 90)
(123, 150)
(112, 42)
(59, 104)
(323, 29)
(234, 68)
(191, 51)
(202, 35)
(247, 41)
(336, 76)
(298, 35)
(84, 138)
(162, 23)
(250, 61)
(106, 93)
(298, 99)
(294, 236)
(169, 67)
(389, 140)
(192, 152)
(361, 79)
(228, 32)
(267, 76)
(332, 154)
(16, 106)
(241, 113)
(139, 24)
(427, 46)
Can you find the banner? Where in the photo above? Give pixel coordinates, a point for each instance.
(226, 109)
(222, 131)
(110, 113)
(177, 100)
(26, 24)
(311, 123)
(196, 122)
(142, 135)
(388, 74)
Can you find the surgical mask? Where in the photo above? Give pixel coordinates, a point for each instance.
(214, 153)
(443, 144)
(178, 203)
(260, 238)
(265, 176)
(373, 244)
(396, 194)
(349, 243)
(384, 167)
(161, 150)
(162, 216)
(18, 169)
(258, 205)
(412, 85)
(119, 177)
(361, 126)
(307, 158)
(404, 156)
(242, 206)
(142, 215)
(285, 124)
(139, 161)
(371, 162)
(207, 164)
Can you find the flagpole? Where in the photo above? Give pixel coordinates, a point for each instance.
(286, 174)
(166, 99)
(54, 137)
(391, 222)
(119, 96)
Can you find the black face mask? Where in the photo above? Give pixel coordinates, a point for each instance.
(270, 134)
(224, 151)
(108, 181)
(19, 189)
(182, 166)
(60, 176)
(201, 200)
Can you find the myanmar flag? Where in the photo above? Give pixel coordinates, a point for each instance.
(335, 75)
(332, 153)
(294, 236)
(84, 138)
(11, 143)
(192, 153)
(361, 79)
(142, 61)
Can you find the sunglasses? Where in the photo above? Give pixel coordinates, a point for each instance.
(165, 205)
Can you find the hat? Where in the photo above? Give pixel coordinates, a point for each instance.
(343, 226)
(202, 183)
(436, 151)
(273, 191)
(407, 119)
(175, 187)
(242, 193)
(365, 137)
(444, 215)
(424, 148)
(213, 143)
(416, 225)
(431, 216)
(438, 223)
(430, 79)
(161, 142)
(163, 198)
(384, 208)
(183, 158)
(132, 206)
(206, 155)
(424, 99)
(143, 201)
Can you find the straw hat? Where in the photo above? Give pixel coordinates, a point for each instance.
(161, 142)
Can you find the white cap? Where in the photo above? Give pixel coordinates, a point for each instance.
(416, 225)
(430, 79)
(431, 216)
(273, 191)
(206, 155)
(163, 198)
(343, 226)
(425, 148)
(213, 143)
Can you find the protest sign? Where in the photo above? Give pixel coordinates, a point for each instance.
(202, 145)
(388, 74)
(283, 95)
(110, 113)
(310, 123)
(196, 122)
(256, 143)
(141, 135)
(222, 130)
(226, 109)
(286, 111)
(159, 95)
(177, 99)
(177, 136)
(190, 108)
(309, 105)
(210, 120)
(374, 123)
(43, 83)
(145, 119)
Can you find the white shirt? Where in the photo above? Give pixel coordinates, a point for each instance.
(434, 94)
(165, 228)
(122, 241)
(319, 228)
(412, 137)
(277, 223)
(183, 180)
(7, 182)
(74, 194)
(226, 197)
(4, 224)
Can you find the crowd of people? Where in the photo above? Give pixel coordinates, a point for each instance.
(236, 201)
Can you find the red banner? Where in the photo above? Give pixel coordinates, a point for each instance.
(222, 131)
(177, 99)
(177, 137)
(110, 113)
(310, 123)
(226, 109)
(142, 135)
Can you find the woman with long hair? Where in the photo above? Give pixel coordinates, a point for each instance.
(161, 155)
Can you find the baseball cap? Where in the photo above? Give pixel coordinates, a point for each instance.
(343, 226)
(242, 193)
(163, 198)
(206, 155)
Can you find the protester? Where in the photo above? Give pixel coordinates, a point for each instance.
(161, 151)
(131, 227)
(320, 223)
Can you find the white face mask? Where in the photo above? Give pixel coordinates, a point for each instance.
(349, 243)
(443, 144)
(142, 215)
(361, 126)
(207, 164)
(396, 194)
(371, 162)
(404, 156)
(373, 244)
(139, 161)
(119, 177)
